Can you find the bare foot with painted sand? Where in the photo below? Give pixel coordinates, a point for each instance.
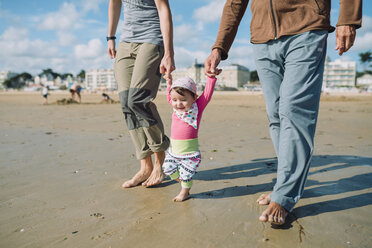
(274, 214)
(264, 199)
(183, 195)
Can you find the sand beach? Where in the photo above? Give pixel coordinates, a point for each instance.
(62, 166)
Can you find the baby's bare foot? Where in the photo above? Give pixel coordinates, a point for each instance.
(140, 177)
(183, 195)
(274, 214)
(264, 199)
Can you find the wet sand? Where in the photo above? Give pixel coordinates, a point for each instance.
(61, 168)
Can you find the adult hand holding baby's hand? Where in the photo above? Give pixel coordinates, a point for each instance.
(211, 63)
(166, 68)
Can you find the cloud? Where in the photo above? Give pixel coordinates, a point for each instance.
(363, 43)
(184, 57)
(366, 25)
(8, 17)
(15, 42)
(363, 36)
(12, 34)
(92, 50)
(242, 55)
(185, 34)
(66, 18)
(209, 13)
(19, 53)
(88, 5)
(242, 41)
(65, 38)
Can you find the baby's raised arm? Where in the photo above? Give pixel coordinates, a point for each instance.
(206, 96)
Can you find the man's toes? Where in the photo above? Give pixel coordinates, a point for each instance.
(145, 182)
(263, 217)
(125, 185)
(261, 198)
(262, 202)
(128, 184)
(264, 199)
(270, 218)
(153, 182)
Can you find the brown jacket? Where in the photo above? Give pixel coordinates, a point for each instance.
(272, 19)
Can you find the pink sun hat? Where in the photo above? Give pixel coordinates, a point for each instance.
(185, 82)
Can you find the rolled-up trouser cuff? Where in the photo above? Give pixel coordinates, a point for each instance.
(156, 140)
(148, 140)
(161, 147)
(286, 202)
(153, 148)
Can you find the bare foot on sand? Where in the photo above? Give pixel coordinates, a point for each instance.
(157, 175)
(141, 176)
(183, 195)
(274, 214)
(264, 199)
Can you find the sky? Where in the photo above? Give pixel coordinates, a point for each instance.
(68, 36)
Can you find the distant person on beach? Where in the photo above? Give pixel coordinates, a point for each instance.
(289, 44)
(45, 93)
(144, 53)
(183, 157)
(106, 97)
(75, 90)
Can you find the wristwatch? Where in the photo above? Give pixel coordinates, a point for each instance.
(110, 38)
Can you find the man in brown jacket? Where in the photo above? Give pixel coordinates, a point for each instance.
(290, 41)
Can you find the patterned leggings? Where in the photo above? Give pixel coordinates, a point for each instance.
(182, 166)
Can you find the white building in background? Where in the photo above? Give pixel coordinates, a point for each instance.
(234, 75)
(339, 73)
(100, 79)
(4, 75)
(47, 80)
(365, 80)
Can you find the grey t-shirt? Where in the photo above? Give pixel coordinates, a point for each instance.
(141, 22)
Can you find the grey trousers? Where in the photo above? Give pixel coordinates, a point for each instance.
(291, 74)
(137, 74)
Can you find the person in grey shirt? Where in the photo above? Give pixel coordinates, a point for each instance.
(144, 53)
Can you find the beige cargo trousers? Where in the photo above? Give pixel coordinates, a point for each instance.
(138, 77)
